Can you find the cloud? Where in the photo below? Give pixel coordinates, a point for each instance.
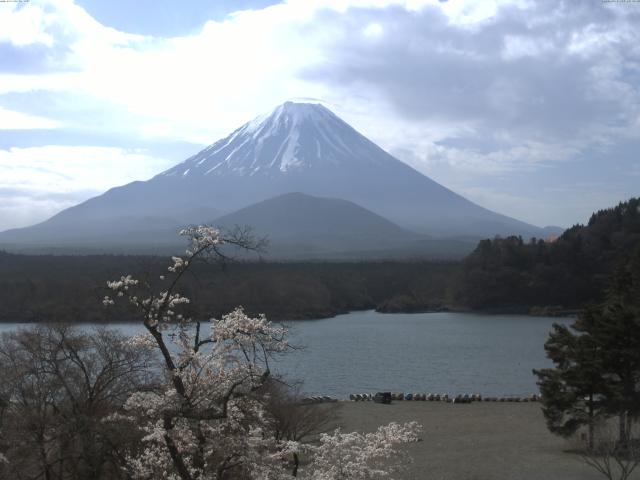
(539, 82)
(10, 120)
(30, 59)
(96, 168)
(24, 26)
(197, 87)
(541, 72)
(21, 208)
(36, 182)
(457, 89)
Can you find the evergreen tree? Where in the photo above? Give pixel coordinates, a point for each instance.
(615, 328)
(597, 362)
(573, 392)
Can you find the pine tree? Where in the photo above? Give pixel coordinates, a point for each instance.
(615, 327)
(573, 392)
(597, 362)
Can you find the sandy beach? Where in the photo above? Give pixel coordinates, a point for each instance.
(478, 441)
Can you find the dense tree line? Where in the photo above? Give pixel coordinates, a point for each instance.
(511, 273)
(68, 288)
(502, 274)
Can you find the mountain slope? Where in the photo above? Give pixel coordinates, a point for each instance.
(306, 148)
(297, 148)
(297, 224)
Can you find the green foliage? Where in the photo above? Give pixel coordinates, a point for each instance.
(570, 271)
(597, 361)
(572, 392)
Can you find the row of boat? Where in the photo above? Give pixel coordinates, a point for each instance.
(437, 397)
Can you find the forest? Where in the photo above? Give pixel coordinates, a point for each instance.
(547, 276)
(501, 275)
(70, 289)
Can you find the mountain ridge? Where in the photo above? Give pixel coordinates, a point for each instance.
(297, 224)
(296, 148)
(288, 123)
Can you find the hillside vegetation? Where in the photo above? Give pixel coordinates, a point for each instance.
(71, 288)
(509, 273)
(501, 275)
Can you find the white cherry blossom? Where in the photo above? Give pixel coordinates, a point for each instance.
(206, 421)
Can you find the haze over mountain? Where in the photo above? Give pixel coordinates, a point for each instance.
(303, 226)
(299, 147)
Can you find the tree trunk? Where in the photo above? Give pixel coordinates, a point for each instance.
(46, 469)
(176, 456)
(296, 464)
(591, 423)
(624, 434)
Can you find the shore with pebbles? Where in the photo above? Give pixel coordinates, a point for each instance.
(475, 441)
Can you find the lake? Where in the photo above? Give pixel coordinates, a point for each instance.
(362, 352)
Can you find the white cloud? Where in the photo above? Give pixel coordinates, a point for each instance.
(373, 30)
(21, 209)
(10, 120)
(521, 46)
(37, 182)
(23, 26)
(198, 87)
(535, 83)
(195, 86)
(528, 156)
(59, 169)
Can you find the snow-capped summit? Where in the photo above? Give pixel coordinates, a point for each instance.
(294, 136)
(298, 147)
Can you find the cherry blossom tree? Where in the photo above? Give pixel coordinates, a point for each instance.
(208, 420)
(357, 456)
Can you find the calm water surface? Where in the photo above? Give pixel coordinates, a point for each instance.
(419, 352)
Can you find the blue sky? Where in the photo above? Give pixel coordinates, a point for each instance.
(531, 109)
(165, 18)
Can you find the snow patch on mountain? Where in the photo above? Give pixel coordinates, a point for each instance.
(298, 147)
(293, 137)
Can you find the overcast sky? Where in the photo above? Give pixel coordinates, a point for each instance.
(529, 108)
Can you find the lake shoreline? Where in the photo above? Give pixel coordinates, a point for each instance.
(527, 311)
(524, 311)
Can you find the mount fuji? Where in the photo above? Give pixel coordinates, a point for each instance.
(298, 147)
